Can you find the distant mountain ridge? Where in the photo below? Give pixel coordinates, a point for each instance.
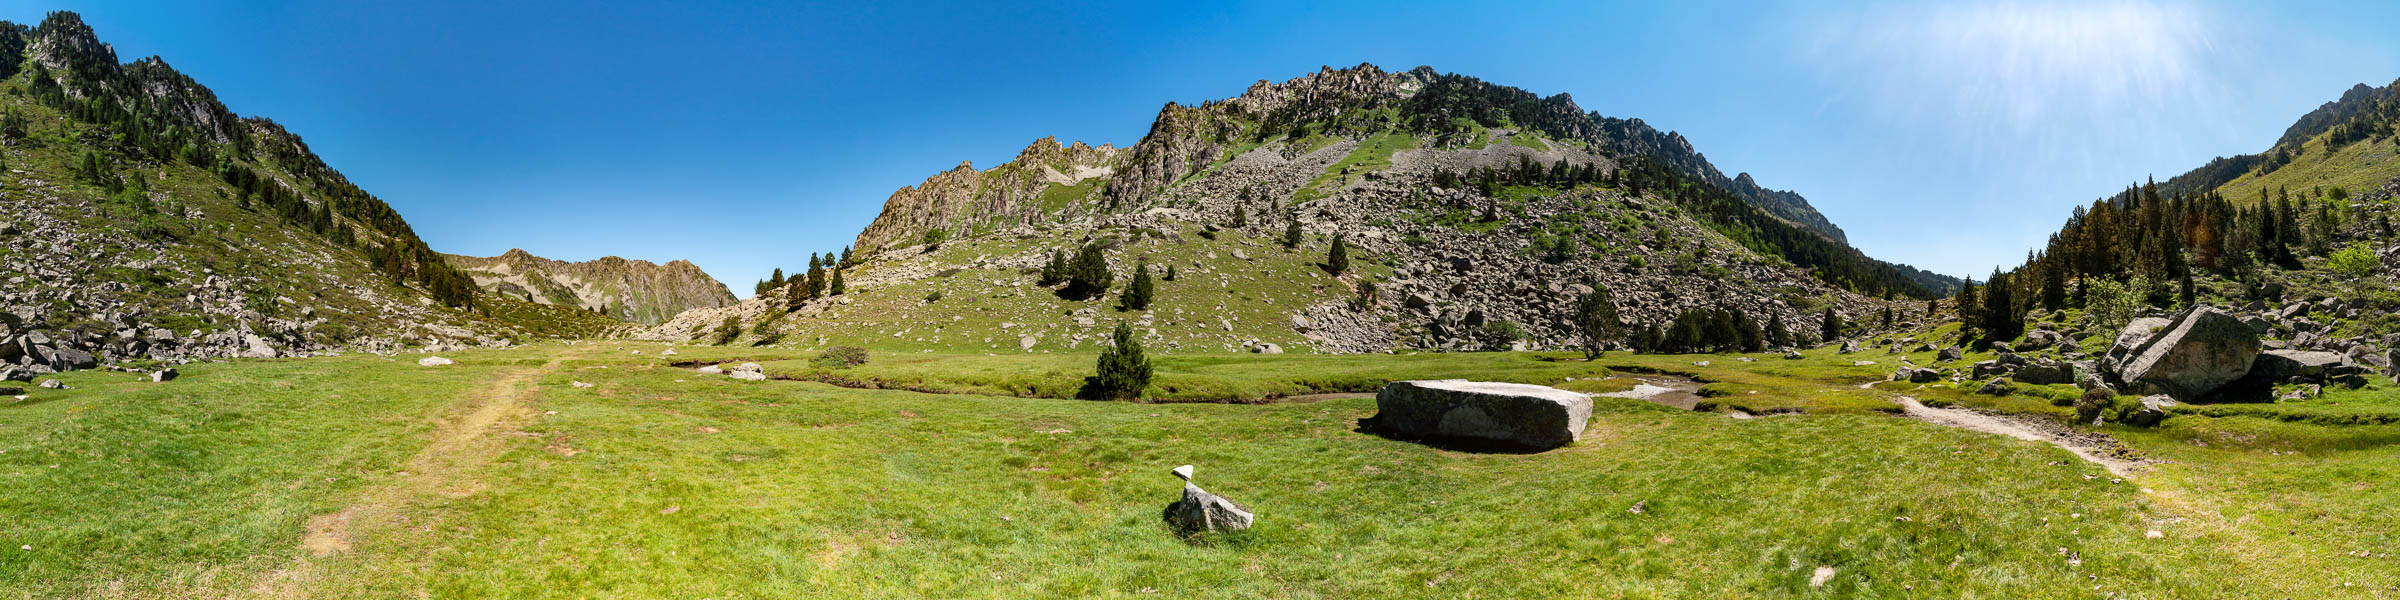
(632, 290)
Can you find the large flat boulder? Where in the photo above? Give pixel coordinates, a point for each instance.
(2204, 350)
(1515, 414)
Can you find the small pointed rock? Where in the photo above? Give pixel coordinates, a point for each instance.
(1184, 472)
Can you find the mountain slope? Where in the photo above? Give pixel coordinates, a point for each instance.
(638, 291)
(1475, 212)
(2348, 142)
(145, 221)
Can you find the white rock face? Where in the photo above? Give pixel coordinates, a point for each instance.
(1510, 413)
(433, 361)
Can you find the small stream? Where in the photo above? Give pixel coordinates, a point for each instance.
(1667, 390)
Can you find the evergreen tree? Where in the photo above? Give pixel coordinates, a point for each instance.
(2001, 321)
(1170, 272)
(1596, 317)
(1137, 293)
(1292, 233)
(1337, 260)
(837, 288)
(1123, 371)
(2054, 288)
(1887, 318)
(1833, 325)
(1746, 330)
(1778, 336)
(1967, 310)
(1087, 274)
(1054, 271)
(1241, 217)
(814, 284)
(777, 280)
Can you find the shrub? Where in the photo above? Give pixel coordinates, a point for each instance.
(731, 328)
(1123, 371)
(839, 357)
(1337, 260)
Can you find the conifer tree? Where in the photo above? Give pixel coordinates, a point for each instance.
(1291, 233)
(1137, 292)
(1596, 318)
(1170, 272)
(1833, 325)
(1241, 217)
(2000, 317)
(1337, 260)
(1967, 309)
(1123, 371)
(1054, 271)
(1748, 333)
(1778, 335)
(836, 288)
(777, 280)
(1087, 274)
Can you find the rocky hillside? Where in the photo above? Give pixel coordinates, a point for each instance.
(639, 291)
(140, 220)
(1472, 214)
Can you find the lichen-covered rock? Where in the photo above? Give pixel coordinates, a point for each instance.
(1510, 413)
(2204, 350)
(433, 361)
(1202, 511)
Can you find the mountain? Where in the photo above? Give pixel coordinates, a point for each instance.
(2346, 142)
(1476, 214)
(140, 219)
(638, 291)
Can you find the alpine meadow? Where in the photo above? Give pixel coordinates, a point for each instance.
(1368, 331)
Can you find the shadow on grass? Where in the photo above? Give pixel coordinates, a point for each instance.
(1369, 426)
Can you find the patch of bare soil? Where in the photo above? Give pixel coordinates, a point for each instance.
(2096, 448)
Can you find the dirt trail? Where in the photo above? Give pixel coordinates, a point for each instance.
(464, 439)
(2092, 447)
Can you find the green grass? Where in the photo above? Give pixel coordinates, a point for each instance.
(1058, 197)
(658, 482)
(1240, 378)
(2358, 167)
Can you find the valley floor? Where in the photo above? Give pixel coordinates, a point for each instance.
(500, 476)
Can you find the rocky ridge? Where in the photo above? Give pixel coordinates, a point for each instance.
(638, 291)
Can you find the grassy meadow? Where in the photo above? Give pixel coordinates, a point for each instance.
(370, 477)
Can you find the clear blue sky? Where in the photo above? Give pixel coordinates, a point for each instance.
(1950, 136)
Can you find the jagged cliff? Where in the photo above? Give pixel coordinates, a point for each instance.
(1355, 102)
(633, 290)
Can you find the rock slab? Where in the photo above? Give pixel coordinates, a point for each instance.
(2204, 350)
(1511, 413)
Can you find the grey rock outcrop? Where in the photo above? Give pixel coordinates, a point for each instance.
(1517, 414)
(2203, 350)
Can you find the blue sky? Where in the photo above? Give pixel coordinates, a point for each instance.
(1952, 136)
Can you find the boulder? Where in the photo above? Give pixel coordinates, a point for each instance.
(1793, 355)
(1509, 413)
(749, 371)
(2153, 411)
(1998, 386)
(2137, 336)
(1266, 348)
(2281, 365)
(1922, 375)
(1202, 511)
(711, 370)
(70, 359)
(163, 375)
(14, 373)
(1951, 353)
(433, 361)
(52, 384)
(2045, 373)
(1849, 346)
(1986, 369)
(2204, 350)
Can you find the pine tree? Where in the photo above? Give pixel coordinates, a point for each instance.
(814, 284)
(777, 280)
(1123, 371)
(1747, 332)
(1833, 325)
(1887, 318)
(1087, 274)
(1170, 272)
(1337, 260)
(837, 288)
(1778, 336)
(1596, 317)
(1291, 233)
(2000, 317)
(1967, 309)
(1137, 293)
(1054, 271)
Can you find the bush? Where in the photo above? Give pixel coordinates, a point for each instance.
(730, 329)
(1123, 371)
(839, 357)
